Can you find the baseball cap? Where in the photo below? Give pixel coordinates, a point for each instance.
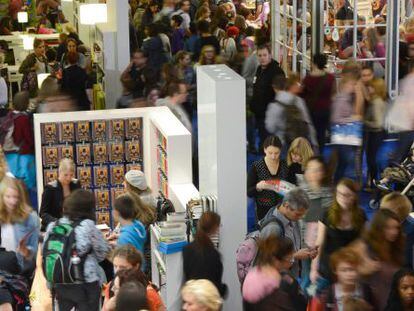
(137, 179)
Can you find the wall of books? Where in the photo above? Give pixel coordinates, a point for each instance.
(102, 150)
(162, 163)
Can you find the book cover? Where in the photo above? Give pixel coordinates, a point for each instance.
(102, 198)
(116, 192)
(50, 175)
(116, 129)
(49, 133)
(100, 176)
(100, 153)
(84, 174)
(133, 128)
(50, 156)
(103, 217)
(117, 174)
(83, 131)
(99, 130)
(83, 154)
(133, 166)
(66, 151)
(116, 152)
(133, 151)
(67, 132)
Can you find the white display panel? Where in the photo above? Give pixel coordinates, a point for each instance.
(222, 161)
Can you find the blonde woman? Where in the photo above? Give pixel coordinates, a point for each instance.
(300, 151)
(200, 295)
(56, 191)
(19, 223)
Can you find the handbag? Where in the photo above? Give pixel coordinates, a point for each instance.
(350, 133)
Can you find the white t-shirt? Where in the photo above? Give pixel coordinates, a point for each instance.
(8, 240)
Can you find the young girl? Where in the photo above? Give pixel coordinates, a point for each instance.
(299, 152)
(127, 257)
(344, 265)
(382, 252)
(317, 187)
(341, 224)
(401, 296)
(20, 225)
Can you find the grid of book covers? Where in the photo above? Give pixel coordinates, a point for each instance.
(102, 150)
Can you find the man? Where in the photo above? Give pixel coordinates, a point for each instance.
(293, 208)
(184, 12)
(263, 92)
(348, 37)
(176, 96)
(135, 71)
(206, 38)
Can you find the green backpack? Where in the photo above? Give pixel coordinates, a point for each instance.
(57, 252)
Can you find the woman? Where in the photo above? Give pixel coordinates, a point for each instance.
(269, 168)
(74, 80)
(373, 47)
(382, 253)
(299, 152)
(200, 295)
(344, 263)
(201, 260)
(347, 110)
(34, 64)
(316, 184)
(185, 69)
(22, 160)
(401, 296)
(207, 56)
(268, 285)
(19, 224)
(341, 224)
(154, 48)
(133, 274)
(72, 47)
(56, 191)
(79, 206)
(318, 88)
(136, 183)
(203, 13)
(374, 117)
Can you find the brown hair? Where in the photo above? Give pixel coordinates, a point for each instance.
(292, 79)
(79, 205)
(351, 303)
(379, 88)
(37, 42)
(144, 212)
(391, 252)
(72, 58)
(208, 222)
(345, 254)
(132, 275)
(202, 60)
(335, 212)
(398, 203)
(22, 211)
(129, 253)
(327, 176)
(273, 247)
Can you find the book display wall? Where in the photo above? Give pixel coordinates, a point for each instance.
(102, 150)
(162, 172)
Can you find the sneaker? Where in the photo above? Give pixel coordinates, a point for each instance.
(382, 186)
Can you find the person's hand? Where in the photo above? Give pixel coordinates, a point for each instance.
(23, 250)
(314, 275)
(262, 185)
(110, 304)
(313, 252)
(303, 253)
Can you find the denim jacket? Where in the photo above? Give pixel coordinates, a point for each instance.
(31, 224)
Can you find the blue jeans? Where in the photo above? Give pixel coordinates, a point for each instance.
(347, 165)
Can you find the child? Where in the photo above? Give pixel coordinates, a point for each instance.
(300, 151)
(124, 258)
(396, 174)
(344, 263)
(177, 38)
(132, 231)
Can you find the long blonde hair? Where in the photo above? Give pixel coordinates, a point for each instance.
(21, 212)
(302, 147)
(144, 212)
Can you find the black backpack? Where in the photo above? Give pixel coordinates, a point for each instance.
(57, 252)
(296, 126)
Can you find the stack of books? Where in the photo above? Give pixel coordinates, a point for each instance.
(172, 233)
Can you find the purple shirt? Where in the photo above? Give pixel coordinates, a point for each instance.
(177, 40)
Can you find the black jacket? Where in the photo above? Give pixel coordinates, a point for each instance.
(74, 79)
(263, 92)
(52, 201)
(202, 262)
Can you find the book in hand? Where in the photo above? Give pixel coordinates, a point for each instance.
(280, 186)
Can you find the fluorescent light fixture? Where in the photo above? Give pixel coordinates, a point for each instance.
(40, 78)
(93, 13)
(28, 42)
(22, 17)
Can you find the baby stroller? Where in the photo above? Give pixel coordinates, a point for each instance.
(396, 177)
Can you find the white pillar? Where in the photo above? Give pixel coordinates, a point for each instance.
(222, 161)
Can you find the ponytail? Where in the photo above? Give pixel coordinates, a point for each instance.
(207, 223)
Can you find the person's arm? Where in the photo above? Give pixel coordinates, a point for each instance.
(319, 243)
(91, 238)
(252, 180)
(46, 207)
(359, 101)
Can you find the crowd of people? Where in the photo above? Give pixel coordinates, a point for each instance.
(314, 246)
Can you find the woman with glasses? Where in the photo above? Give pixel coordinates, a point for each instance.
(269, 286)
(341, 224)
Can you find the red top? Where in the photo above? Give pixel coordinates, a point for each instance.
(23, 134)
(317, 91)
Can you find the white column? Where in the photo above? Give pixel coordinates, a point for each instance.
(222, 160)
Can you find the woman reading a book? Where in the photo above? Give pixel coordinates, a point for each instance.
(263, 172)
(19, 223)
